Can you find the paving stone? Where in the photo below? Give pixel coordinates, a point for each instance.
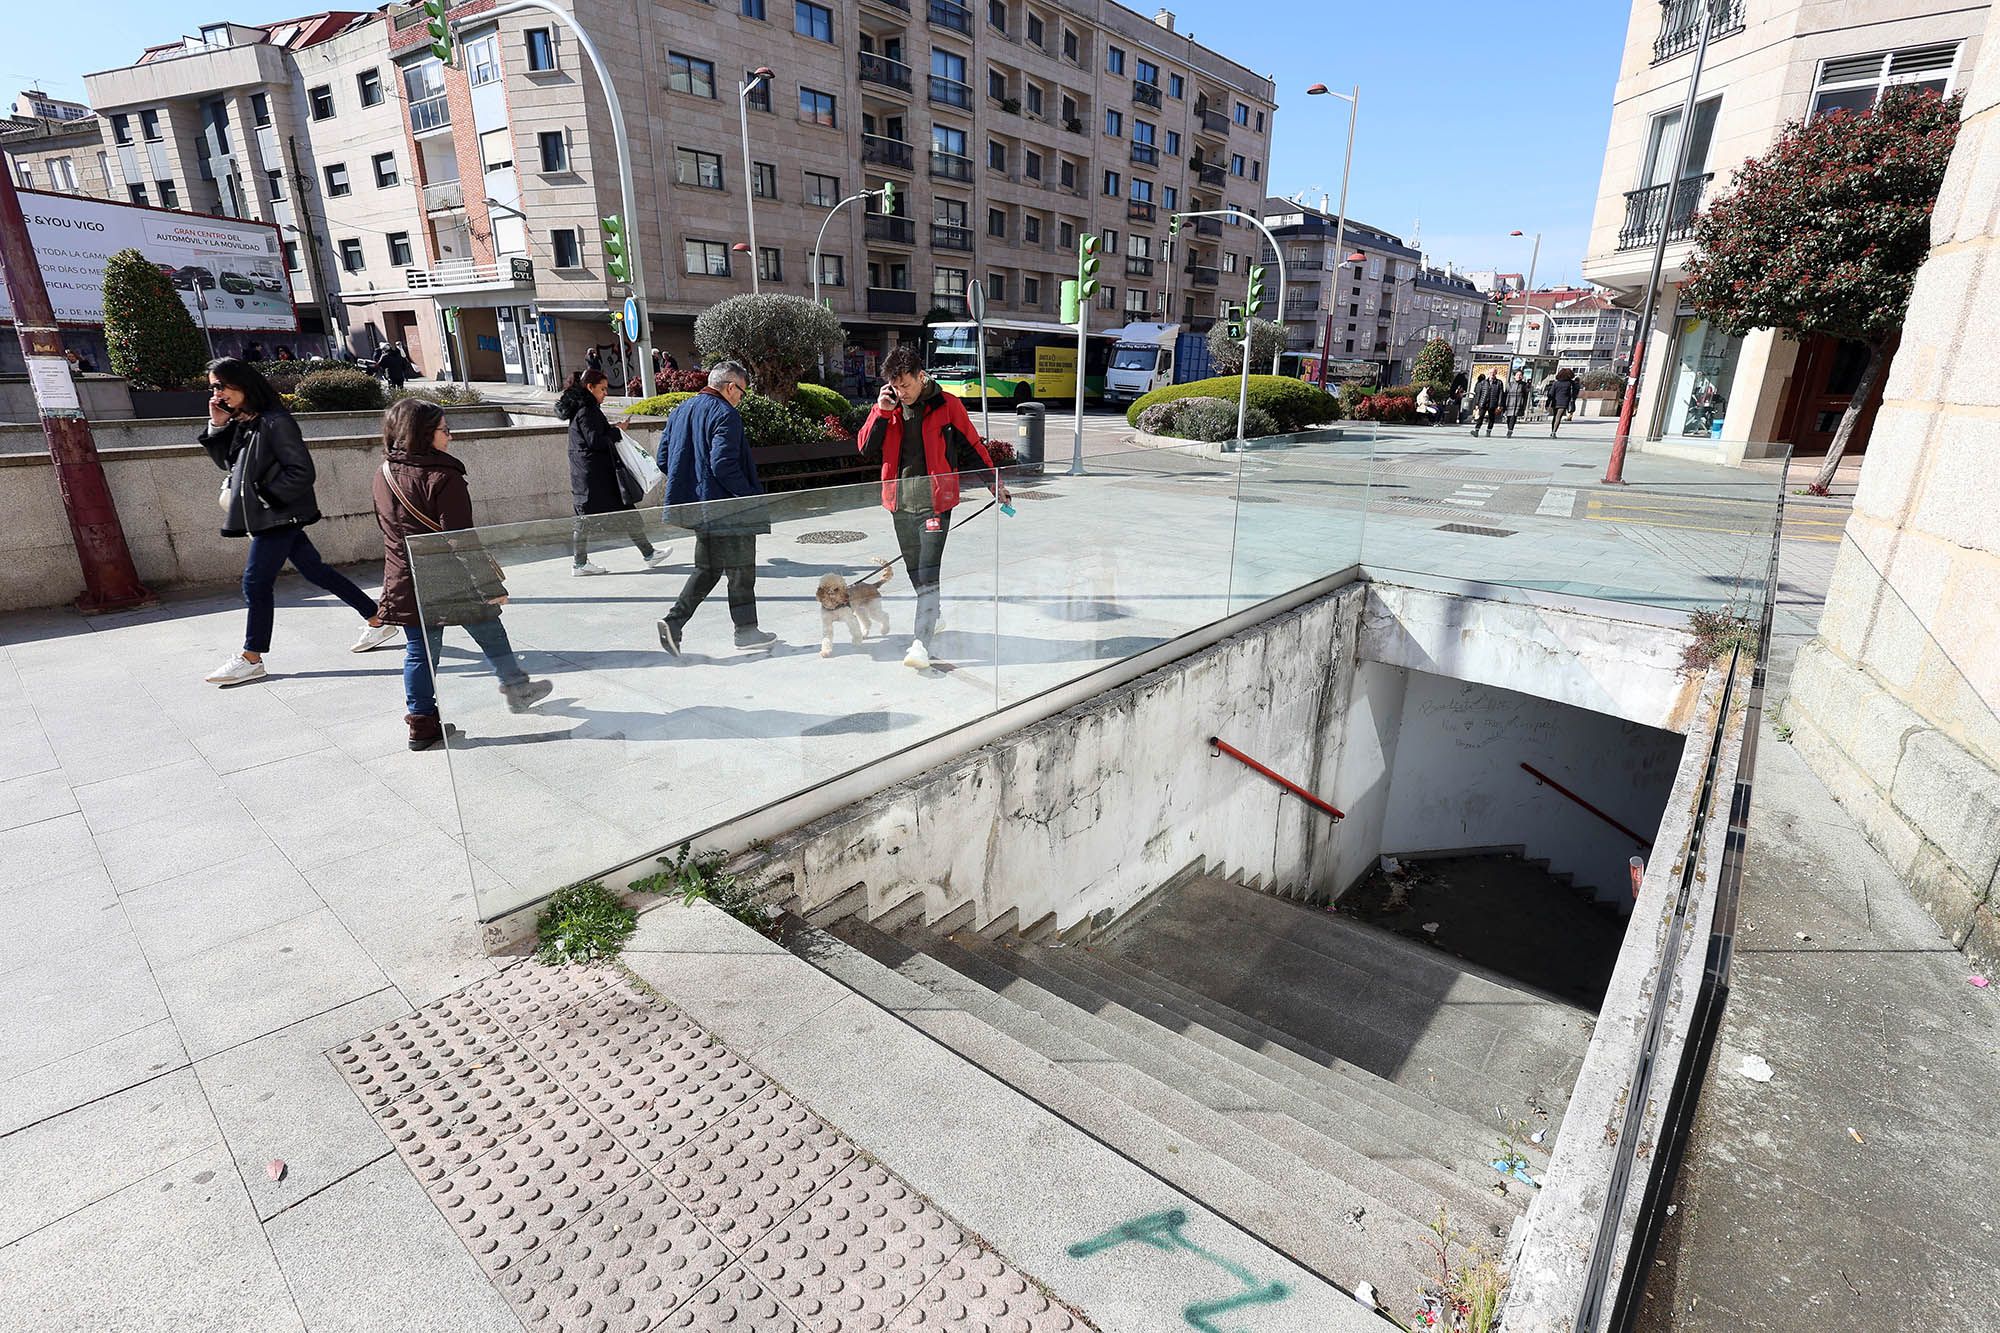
(979, 1292)
(266, 980)
(743, 1176)
(446, 1123)
(734, 1303)
(528, 995)
(397, 1058)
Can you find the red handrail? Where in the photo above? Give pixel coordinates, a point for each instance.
(1224, 747)
(1540, 776)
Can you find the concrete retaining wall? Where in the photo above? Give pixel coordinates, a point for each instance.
(104, 397)
(24, 436)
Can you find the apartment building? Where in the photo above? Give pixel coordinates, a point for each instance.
(66, 154)
(1707, 394)
(1382, 308)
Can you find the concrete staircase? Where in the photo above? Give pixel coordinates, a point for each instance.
(1214, 1060)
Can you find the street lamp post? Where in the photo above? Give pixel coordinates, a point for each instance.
(1278, 257)
(759, 78)
(1527, 304)
(1353, 100)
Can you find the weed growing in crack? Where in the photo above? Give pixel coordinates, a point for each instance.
(696, 876)
(1465, 1298)
(1715, 634)
(581, 922)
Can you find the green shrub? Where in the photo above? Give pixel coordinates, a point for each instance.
(1212, 421)
(581, 922)
(1267, 339)
(1434, 364)
(1293, 404)
(768, 423)
(1386, 407)
(819, 402)
(1600, 380)
(658, 405)
(693, 876)
(1408, 391)
(285, 375)
(1352, 396)
(444, 395)
(152, 337)
(341, 390)
(778, 337)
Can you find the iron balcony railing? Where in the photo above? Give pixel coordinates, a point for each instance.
(1138, 266)
(950, 166)
(1647, 210)
(1138, 210)
(1204, 276)
(896, 231)
(945, 14)
(887, 152)
(429, 113)
(1680, 25)
(511, 272)
(1146, 94)
(1209, 173)
(903, 5)
(1211, 122)
(1145, 154)
(950, 92)
(891, 301)
(880, 69)
(948, 236)
(1208, 226)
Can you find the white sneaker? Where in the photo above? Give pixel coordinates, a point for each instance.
(658, 558)
(373, 637)
(918, 658)
(236, 671)
(587, 567)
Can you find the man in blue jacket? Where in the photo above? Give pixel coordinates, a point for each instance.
(710, 479)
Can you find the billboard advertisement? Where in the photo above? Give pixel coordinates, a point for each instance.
(229, 272)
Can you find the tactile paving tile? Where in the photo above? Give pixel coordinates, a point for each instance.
(979, 1292)
(397, 1058)
(856, 1253)
(449, 1121)
(742, 1175)
(527, 995)
(733, 1303)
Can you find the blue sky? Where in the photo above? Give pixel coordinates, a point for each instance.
(1476, 118)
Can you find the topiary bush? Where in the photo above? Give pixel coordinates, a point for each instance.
(1434, 365)
(444, 395)
(1386, 407)
(821, 402)
(152, 337)
(1293, 404)
(658, 405)
(341, 390)
(1212, 421)
(778, 337)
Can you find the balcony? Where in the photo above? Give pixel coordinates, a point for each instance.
(891, 301)
(949, 236)
(1138, 266)
(1295, 309)
(903, 5)
(430, 113)
(1210, 122)
(886, 152)
(1146, 94)
(950, 92)
(1073, 125)
(950, 166)
(1211, 227)
(879, 69)
(1202, 275)
(1646, 211)
(946, 14)
(1211, 174)
(1139, 210)
(1680, 25)
(460, 273)
(440, 195)
(1145, 155)
(894, 230)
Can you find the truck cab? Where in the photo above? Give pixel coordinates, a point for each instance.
(1142, 360)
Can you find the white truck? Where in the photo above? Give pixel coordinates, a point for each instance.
(1142, 360)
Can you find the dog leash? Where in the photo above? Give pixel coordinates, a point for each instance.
(1005, 509)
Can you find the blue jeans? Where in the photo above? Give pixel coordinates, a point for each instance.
(268, 553)
(420, 690)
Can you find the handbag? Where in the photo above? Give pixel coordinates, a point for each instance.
(222, 496)
(497, 574)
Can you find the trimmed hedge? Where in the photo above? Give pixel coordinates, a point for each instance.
(658, 405)
(1212, 421)
(819, 401)
(1292, 404)
(342, 390)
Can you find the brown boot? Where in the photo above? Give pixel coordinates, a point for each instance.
(425, 730)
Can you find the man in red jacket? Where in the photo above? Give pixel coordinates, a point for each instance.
(923, 439)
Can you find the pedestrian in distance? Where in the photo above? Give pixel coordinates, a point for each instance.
(922, 438)
(706, 459)
(1519, 395)
(285, 353)
(268, 497)
(1426, 409)
(594, 360)
(1454, 406)
(669, 362)
(253, 350)
(1563, 390)
(420, 490)
(1489, 393)
(393, 366)
(599, 484)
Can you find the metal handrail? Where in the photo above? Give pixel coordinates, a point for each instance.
(1680, 25)
(1546, 780)
(1221, 746)
(1647, 210)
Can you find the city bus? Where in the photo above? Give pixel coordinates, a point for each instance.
(1024, 360)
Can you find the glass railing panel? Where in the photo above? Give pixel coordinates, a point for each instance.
(1302, 503)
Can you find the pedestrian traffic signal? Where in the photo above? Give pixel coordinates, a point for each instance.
(1070, 304)
(1086, 268)
(1255, 300)
(439, 29)
(616, 265)
(888, 196)
(1233, 321)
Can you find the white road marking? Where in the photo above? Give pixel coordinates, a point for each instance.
(1559, 501)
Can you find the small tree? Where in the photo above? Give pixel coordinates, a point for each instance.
(778, 337)
(1434, 364)
(1825, 232)
(152, 338)
(1267, 339)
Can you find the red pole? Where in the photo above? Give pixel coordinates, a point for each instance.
(1614, 472)
(110, 580)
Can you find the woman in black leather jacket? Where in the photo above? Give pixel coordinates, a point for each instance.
(598, 481)
(268, 497)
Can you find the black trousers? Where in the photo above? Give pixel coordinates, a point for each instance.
(1514, 414)
(923, 556)
(709, 569)
(624, 523)
(1484, 416)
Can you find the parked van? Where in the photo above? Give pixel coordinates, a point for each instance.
(1142, 360)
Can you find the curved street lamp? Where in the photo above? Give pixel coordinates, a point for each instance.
(1353, 100)
(759, 78)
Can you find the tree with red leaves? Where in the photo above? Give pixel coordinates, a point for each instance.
(1825, 232)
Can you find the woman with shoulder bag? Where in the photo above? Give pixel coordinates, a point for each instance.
(268, 496)
(420, 490)
(599, 482)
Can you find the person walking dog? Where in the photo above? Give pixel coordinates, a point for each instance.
(420, 489)
(598, 482)
(706, 459)
(268, 497)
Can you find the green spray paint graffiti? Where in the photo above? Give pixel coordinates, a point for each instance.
(1167, 1231)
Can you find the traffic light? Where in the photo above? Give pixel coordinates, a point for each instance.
(1070, 303)
(1173, 225)
(888, 196)
(1086, 268)
(616, 265)
(1255, 300)
(440, 30)
(1233, 315)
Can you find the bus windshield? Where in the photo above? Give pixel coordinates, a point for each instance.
(1135, 358)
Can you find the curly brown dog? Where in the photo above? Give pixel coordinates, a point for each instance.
(858, 603)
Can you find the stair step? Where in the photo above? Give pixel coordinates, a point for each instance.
(1393, 1163)
(1222, 1161)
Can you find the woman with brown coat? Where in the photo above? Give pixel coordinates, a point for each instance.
(420, 490)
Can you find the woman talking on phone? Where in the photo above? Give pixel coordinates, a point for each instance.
(268, 497)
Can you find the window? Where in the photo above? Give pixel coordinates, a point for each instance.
(1034, 91)
(350, 254)
(1135, 301)
(996, 222)
(945, 139)
(367, 88)
(1170, 197)
(1031, 230)
(169, 196)
(496, 149)
(817, 107)
(996, 287)
(1142, 190)
(1114, 60)
(822, 191)
(1110, 241)
(1228, 263)
(1853, 83)
(1260, 122)
(138, 193)
(996, 155)
(482, 59)
(759, 96)
(104, 167)
(1032, 166)
(1107, 298)
(1663, 143)
(694, 167)
(1173, 143)
(753, 9)
(1111, 184)
(121, 129)
(1257, 171)
(1236, 164)
(996, 14)
(832, 271)
(149, 126)
(1176, 85)
(1242, 114)
(1142, 131)
(686, 74)
(260, 105)
(1114, 123)
(949, 282)
(541, 44)
(1036, 35)
(385, 170)
(996, 85)
(1031, 291)
(1066, 174)
(770, 264)
(291, 256)
(1071, 47)
(336, 180)
(554, 146)
(399, 249)
(706, 258)
(764, 180)
(565, 251)
(61, 175)
(1141, 247)
(319, 102)
(811, 20)
(1065, 235)
(276, 180)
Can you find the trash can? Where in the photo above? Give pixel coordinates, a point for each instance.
(1030, 421)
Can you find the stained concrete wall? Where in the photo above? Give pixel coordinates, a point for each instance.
(1896, 702)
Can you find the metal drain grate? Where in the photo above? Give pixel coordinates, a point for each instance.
(831, 537)
(1030, 495)
(1475, 530)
